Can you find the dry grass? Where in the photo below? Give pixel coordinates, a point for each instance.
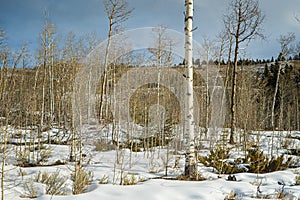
(81, 179)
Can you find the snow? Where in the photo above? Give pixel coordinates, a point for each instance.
(149, 166)
(159, 189)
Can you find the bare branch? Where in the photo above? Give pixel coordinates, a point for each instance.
(285, 44)
(4, 50)
(244, 23)
(117, 11)
(244, 20)
(19, 56)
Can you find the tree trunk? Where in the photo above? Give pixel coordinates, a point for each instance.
(190, 162)
(104, 84)
(233, 95)
(234, 79)
(273, 107)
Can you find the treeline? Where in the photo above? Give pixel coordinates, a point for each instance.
(36, 90)
(247, 61)
(40, 96)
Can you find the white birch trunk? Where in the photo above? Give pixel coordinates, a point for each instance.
(190, 163)
(273, 107)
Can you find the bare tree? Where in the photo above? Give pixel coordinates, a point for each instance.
(285, 42)
(222, 39)
(226, 43)
(4, 53)
(3, 57)
(189, 123)
(243, 22)
(46, 60)
(7, 97)
(161, 57)
(210, 51)
(117, 12)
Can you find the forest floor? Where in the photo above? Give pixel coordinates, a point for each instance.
(143, 173)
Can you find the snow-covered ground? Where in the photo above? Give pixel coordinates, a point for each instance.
(148, 168)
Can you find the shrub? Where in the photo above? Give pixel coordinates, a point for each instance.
(45, 154)
(22, 173)
(259, 163)
(138, 144)
(103, 145)
(81, 179)
(217, 160)
(195, 177)
(103, 180)
(128, 180)
(297, 180)
(55, 184)
(22, 158)
(30, 190)
(256, 162)
(131, 179)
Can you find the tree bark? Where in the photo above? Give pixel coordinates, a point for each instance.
(243, 23)
(233, 93)
(190, 162)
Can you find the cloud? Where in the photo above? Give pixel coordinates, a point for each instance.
(23, 19)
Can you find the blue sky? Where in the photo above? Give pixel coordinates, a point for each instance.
(22, 19)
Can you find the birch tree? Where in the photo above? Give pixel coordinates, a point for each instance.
(48, 42)
(226, 41)
(209, 50)
(285, 42)
(189, 124)
(3, 78)
(4, 54)
(7, 98)
(161, 58)
(243, 22)
(117, 12)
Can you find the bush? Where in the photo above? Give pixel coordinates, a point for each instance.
(259, 163)
(131, 179)
(128, 180)
(23, 157)
(183, 177)
(217, 160)
(81, 179)
(255, 161)
(297, 180)
(103, 145)
(103, 180)
(45, 154)
(22, 173)
(30, 190)
(55, 184)
(138, 144)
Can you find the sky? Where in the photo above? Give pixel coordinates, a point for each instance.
(22, 20)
